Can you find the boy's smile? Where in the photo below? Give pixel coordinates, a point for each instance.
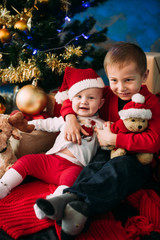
(125, 80)
(83, 108)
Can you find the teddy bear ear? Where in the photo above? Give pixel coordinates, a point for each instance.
(18, 121)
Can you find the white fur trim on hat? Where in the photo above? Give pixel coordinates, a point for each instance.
(61, 96)
(85, 84)
(135, 113)
(138, 98)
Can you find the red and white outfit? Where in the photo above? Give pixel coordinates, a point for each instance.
(56, 167)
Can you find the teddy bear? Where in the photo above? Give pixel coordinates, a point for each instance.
(9, 127)
(134, 117)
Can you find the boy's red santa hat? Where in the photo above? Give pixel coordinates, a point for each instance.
(75, 80)
(136, 108)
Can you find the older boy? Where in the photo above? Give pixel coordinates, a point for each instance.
(104, 182)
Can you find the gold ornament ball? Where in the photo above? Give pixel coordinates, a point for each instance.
(21, 25)
(5, 35)
(31, 99)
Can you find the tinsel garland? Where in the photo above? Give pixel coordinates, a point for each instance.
(28, 71)
(56, 64)
(24, 72)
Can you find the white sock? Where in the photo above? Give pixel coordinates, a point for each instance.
(57, 192)
(39, 213)
(9, 180)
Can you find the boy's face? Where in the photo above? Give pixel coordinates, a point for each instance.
(87, 102)
(125, 80)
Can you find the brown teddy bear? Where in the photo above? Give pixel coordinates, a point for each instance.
(133, 118)
(9, 126)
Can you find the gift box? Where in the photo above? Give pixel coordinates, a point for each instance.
(153, 64)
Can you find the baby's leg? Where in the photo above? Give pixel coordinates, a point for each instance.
(9, 180)
(26, 165)
(50, 207)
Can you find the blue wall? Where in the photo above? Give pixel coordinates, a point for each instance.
(137, 21)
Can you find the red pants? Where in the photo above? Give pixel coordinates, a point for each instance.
(49, 168)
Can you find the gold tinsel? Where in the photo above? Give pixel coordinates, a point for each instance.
(57, 65)
(24, 72)
(5, 17)
(71, 50)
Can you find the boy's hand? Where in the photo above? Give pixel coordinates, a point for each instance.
(105, 136)
(73, 129)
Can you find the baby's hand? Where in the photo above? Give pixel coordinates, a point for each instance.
(73, 129)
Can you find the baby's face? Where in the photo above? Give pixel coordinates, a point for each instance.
(125, 80)
(87, 102)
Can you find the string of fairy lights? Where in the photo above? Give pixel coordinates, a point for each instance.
(22, 21)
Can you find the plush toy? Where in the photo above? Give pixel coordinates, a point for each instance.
(9, 126)
(133, 118)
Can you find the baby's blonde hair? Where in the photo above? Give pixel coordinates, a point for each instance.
(125, 52)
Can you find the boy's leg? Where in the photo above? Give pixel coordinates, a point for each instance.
(104, 188)
(53, 208)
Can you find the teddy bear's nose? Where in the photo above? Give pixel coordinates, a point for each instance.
(139, 127)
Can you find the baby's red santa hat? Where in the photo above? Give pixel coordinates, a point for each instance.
(75, 80)
(136, 108)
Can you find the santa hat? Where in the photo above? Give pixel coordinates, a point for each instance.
(75, 80)
(136, 108)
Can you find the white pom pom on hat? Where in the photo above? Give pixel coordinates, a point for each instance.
(136, 108)
(138, 98)
(75, 80)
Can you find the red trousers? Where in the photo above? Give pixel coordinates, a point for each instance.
(49, 168)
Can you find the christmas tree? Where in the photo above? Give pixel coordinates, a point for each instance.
(38, 39)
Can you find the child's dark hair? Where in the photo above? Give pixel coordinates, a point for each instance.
(125, 52)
